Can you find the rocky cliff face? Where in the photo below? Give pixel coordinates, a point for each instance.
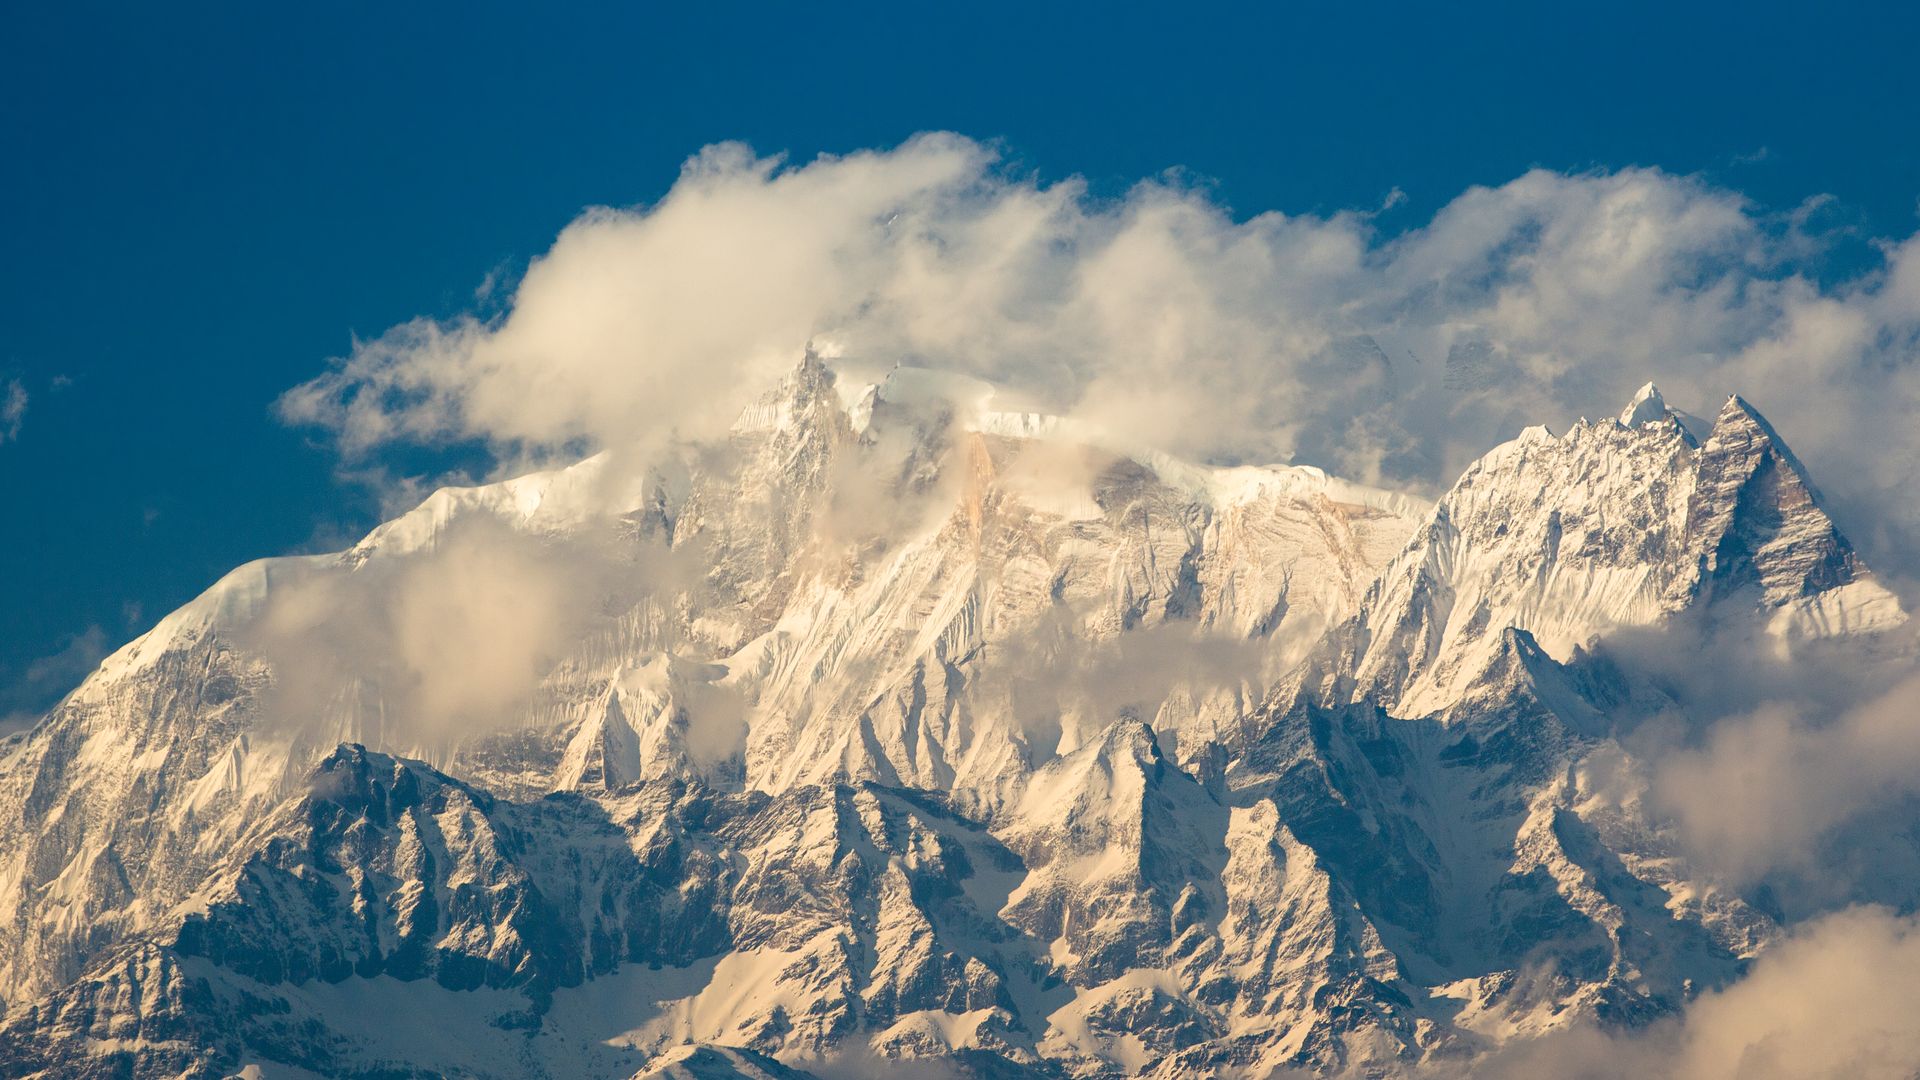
(897, 727)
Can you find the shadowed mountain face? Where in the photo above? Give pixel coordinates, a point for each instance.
(899, 728)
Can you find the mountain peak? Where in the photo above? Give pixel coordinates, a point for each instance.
(1741, 429)
(1738, 410)
(1646, 407)
(797, 402)
(1756, 519)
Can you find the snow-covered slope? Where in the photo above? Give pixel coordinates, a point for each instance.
(1620, 523)
(901, 726)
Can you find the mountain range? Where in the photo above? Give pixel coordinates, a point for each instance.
(896, 729)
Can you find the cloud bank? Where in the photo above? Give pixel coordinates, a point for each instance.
(1832, 1001)
(1768, 786)
(1392, 359)
(1794, 773)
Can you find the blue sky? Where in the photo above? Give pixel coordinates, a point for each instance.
(202, 207)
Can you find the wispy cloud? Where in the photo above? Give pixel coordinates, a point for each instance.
(13, 410)
(44, 680)
(450, 640)
(1831, 1001)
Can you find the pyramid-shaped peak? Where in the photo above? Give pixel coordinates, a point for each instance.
(1646, 407)
(1739, 412)
(1738, 406)
(1756, 519)
(1741, 429)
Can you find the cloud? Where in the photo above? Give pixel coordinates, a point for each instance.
(449, 641)
(641, 323)
(1064, 682)
(1769, 785)
(1793, 771)
(13, 409)
(1316, 338)
(1834, 1000)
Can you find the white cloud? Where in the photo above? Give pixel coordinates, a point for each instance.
(1833, 1001)
(452, 640)
(1311, 337)
(1797, 772)
(638, 323)
(1768, 786)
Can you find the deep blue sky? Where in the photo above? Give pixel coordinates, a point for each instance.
(200, 207)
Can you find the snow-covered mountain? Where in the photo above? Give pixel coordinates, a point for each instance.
(902, 727)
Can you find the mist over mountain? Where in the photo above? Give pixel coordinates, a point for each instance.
(898, 723)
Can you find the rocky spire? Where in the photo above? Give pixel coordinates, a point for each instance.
(1755, 519)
